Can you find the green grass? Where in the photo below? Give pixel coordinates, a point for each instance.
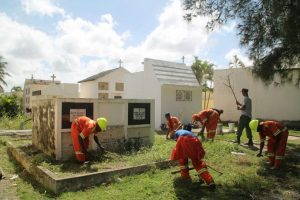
(244, 177)
(16, 123)
(294, 133)
(160, 151)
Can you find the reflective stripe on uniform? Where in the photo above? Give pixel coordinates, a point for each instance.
(202, 171)
(280, 131)
(78, 152)
(271, 154)
(82, 135)
(279, 157)
(277, 132)
(183, 167)
(212, 131)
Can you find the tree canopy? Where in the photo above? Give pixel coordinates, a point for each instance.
(16, 89)
(3, 73)
(236, 62)
(269, 29)
(204, 72)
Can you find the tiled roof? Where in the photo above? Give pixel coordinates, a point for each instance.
(174, 74)
(99, 75)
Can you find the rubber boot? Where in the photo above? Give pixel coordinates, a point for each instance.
(250, 143)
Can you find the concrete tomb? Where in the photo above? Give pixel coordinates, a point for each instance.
(129, 122)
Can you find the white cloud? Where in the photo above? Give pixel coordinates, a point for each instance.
(171, 39)
(23, 41)
(81, 48)
(43, 7)
(30, 51)
(83, 38)
(240, 55)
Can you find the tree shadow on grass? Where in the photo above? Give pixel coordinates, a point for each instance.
(287, 177)
(290, 165)
(196, 190)
(265, 184)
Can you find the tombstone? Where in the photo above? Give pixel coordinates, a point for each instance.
(129, 121)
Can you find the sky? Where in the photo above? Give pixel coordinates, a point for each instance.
(76, 39)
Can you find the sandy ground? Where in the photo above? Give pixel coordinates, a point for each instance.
(8, 188)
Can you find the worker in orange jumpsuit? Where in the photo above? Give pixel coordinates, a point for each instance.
(208, 118)
(173, 125)
(277, 134)
(81, 129)
(188, 146)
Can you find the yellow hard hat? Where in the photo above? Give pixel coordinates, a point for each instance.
(102, 122)
(253, 125)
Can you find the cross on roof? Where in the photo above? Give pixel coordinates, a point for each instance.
(182, 59)
(53, 77)
(31, 76)
(120, 63)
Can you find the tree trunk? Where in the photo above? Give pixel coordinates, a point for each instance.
(204, 99)
(209, 91)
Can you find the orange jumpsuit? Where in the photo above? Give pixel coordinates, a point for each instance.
(84, 127)
(189, 146)
(208, 118)
(278, 135)
(173, 124)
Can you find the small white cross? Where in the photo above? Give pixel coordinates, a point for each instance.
(120, 63)
(53, 77)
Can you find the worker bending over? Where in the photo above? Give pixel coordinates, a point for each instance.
(188, 146)
(277, 134)
(173, 125)
(208, 118)
(81, 129)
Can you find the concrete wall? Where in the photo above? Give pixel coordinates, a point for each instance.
(50, 136)
(144, 85)
(43, 125)
(69, 90)
(30, 88)
(182, 109)
(275, 101)
(89, 89)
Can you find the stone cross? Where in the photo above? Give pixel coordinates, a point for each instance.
(182, 59)
(53, 77)
(120, 63)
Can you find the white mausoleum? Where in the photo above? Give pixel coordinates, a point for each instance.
(104, 85)
(173, 86)
(36, 88)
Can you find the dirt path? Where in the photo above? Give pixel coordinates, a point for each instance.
(8, 189)
(293, 137)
